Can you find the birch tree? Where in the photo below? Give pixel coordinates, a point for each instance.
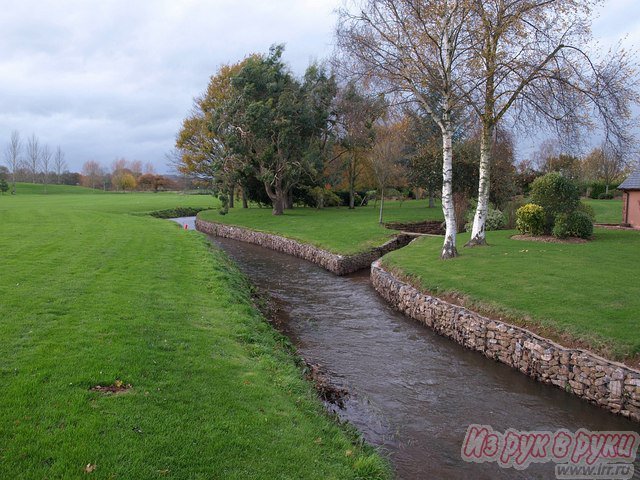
(532, 59)
(32, 161)
(59, 164)
(12, 156)
(418, 48)
(45, 164)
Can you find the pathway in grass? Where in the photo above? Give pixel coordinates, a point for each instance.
(582, 289)
(91, 296)
(338, 230)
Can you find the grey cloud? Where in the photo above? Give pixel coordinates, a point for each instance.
(115, 78)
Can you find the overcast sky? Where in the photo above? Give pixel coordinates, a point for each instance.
(115, 78)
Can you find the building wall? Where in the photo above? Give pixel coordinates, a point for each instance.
(631, 207)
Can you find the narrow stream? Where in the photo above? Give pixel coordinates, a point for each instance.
(412, 392)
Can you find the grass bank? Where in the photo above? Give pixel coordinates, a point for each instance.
(92, 296)
(338, 230)
(586, 291)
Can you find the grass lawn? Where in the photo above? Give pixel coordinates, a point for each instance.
(92, 295)
(607, 211)
(338, 230)
(589, 291)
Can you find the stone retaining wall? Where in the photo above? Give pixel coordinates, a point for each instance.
(611, 385)
(338, 264)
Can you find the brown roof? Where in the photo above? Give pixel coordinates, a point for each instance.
(632, 182)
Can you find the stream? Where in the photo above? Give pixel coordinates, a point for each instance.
(412, 393)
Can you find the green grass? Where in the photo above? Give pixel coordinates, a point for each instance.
(586, 290)
(39, 189)
(607, 211)
(91, 294)
(338, 230)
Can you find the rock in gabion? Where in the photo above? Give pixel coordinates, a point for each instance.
(611, 385)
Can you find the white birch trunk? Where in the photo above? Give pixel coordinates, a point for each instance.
(449, 248)
(478, 232)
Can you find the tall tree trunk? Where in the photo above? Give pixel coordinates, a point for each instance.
(245, 203)
(352, 182)
(478, 232)
(276, 194)
(449, 247)
(278, 203)
(232, 194)
(432, 199)
(289, 199)
(381, 205)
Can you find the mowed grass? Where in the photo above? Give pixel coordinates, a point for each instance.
(91, 295)
(337, 230)
(607, 211)
(589, 291)
(40, 189)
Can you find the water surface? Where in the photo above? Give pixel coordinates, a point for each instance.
(412, 392)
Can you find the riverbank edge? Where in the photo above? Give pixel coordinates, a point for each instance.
(610, 385)
(333, 262)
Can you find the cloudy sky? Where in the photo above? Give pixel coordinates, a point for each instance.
(115, 78)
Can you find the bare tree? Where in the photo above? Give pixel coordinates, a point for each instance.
(92, 173)
(384, 159)
(32, 161)
(533, 59)
(45, 164)
(12, 156)
(548, 149)
(59, 164)
(417, 47)
(604, 164)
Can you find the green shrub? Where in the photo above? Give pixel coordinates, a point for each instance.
(579, 225)
(561, 226)
(576, 224)
(605, 196)
(322, 197)
(510, 210)
(556, 194)
(588, 209)
(530, 218)
(596, 189)
(495, 220)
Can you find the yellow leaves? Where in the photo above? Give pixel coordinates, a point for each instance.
(90, 468)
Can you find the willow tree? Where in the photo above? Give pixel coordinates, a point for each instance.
(531, 58)
(418, 48)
